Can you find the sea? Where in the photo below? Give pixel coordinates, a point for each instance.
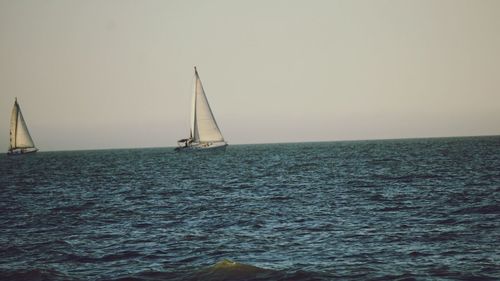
(411, 209)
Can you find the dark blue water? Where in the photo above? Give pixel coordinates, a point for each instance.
(424, 209)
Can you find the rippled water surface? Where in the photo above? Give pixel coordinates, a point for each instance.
(424, 209)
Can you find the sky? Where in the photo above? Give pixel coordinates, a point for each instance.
(118, 74)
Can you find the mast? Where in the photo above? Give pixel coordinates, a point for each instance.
(194, 124)
(17, 122)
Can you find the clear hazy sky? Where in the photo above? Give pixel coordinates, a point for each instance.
(106, 74)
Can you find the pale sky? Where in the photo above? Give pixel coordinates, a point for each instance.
(116, 74)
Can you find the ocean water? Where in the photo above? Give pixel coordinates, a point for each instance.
(420, 209)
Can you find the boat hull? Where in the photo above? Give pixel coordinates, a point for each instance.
(202, 147)
(16, 152)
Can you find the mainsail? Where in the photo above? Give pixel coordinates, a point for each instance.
(19, 134)
(203, 127)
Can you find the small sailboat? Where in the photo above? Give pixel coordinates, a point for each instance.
(204, 134)
(20, 138)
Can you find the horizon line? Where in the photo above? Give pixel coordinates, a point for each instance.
(289, 142)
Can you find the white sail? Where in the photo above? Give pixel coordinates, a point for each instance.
(204, 127)
(13, 125)
(19, 134)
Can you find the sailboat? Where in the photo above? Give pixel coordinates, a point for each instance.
(20, 138)
(204, 134)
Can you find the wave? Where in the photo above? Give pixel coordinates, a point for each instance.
(227, 270)
(73, 208)
(33, 275)
(487, 209)
(230, 270)
(106, 258)
(415, 254)
(8, 251)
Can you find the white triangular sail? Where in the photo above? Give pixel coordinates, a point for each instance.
(19, 134)
(204, 128)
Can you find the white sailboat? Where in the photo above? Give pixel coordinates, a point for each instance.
(204, 134)
(20, 138)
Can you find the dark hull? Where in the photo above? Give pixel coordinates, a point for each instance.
(219, 148)
(21, 152)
